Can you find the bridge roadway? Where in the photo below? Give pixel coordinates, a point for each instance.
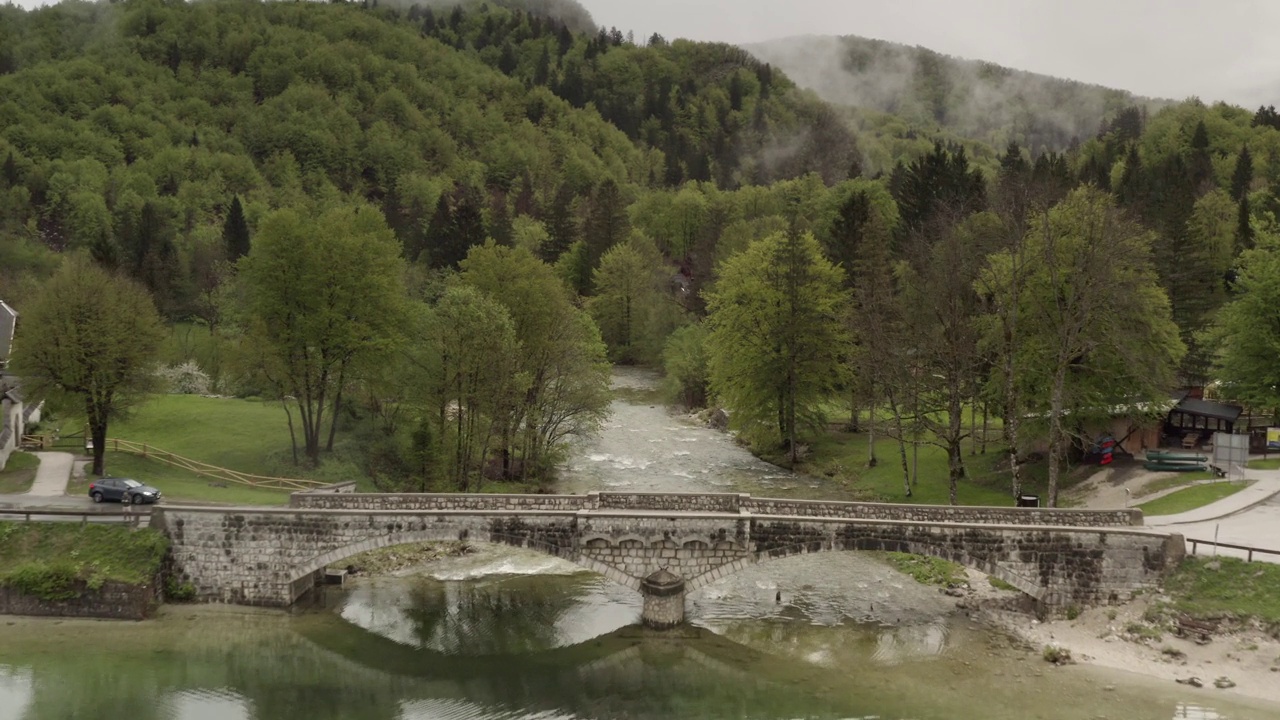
(663, 545)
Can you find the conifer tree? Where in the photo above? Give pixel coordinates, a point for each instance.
(235, 231)
(562, 231)
(1242, 178)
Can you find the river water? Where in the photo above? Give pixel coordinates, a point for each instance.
(503, 634)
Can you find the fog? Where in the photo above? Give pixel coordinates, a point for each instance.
(1156, 48)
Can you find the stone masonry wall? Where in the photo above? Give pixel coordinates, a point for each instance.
(719, 502)
(252, 556)
(434, 501)
(682, 502)
(944, 513)
(114, 600)
(257, 556)
(1058, 566)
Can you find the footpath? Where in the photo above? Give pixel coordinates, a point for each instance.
(1250, 518)
(50, 486)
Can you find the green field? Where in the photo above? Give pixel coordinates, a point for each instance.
(245, 435)
(842, 456)
(180, 485)
(1177, 481)
(1266, 464)
(249, 436)
(44, 558)
(1191, 498)
(18, 473)
(1211, 587)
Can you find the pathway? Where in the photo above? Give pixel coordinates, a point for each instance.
(52, 475)
(1250, 517)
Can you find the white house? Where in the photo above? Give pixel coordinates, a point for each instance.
(14, 414)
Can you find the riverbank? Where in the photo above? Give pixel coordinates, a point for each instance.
(74, 570)
(1233, 645)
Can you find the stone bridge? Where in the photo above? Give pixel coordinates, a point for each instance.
(662, 544)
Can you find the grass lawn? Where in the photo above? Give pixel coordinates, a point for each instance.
(1204, 587)
(842, 456)
(1191, 498)
(180, 485)
(1178, 480)
(18, 473)
(1267, 464)
(245, 435)
(43, 558)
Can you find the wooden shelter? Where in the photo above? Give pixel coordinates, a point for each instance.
(1193, 421)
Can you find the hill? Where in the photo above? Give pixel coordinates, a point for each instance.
(970, 98)
(131, 129)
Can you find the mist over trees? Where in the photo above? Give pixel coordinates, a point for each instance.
(972, 99)
(426, 230)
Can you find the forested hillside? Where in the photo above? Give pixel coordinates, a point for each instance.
(930, 91)
(426, 231)
(132, 128)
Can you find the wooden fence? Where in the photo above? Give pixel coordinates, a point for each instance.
(211, 471)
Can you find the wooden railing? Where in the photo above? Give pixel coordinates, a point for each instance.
(211, 471)
(1250, 550)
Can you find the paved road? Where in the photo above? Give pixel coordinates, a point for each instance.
(52, 475)
(1257, 527)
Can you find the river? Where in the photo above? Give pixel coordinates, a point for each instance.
(503, 634)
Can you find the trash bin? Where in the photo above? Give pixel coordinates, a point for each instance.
(1028, 501)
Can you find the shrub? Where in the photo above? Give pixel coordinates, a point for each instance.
(178, 591)
(1057, 655)
(47, 581)
(184, 379)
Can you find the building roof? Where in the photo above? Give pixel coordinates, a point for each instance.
(1209, 409)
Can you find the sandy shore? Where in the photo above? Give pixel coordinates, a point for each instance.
(1247, 656)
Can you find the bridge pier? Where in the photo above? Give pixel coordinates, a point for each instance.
(663, 600)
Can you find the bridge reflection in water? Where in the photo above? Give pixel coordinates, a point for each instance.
(202, 662)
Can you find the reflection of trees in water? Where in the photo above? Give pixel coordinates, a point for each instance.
(488, 618)
(910, 642)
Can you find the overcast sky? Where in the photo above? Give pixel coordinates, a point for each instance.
(1214, 49)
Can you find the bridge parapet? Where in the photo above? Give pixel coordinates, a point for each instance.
(969, 514)
(733, 503)
(429, 502)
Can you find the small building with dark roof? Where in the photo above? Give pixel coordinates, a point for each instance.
(1200, 418)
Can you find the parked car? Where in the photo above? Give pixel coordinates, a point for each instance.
(123, 489)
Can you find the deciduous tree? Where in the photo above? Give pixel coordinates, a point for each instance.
(1096, 330)
(777, 337)
(319, 291)
(90, 336)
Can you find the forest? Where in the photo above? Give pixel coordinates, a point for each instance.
(432, 229)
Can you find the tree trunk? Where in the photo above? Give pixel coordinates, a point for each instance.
(902, 443)
(337, 400)
(871, 435)
(1055, 433)
(985, 417)
(853, 411)
(293, 435)
(791, 422)
(955, 451)
(98, 433)
(973, 423)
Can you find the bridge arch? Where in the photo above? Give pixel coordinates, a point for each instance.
(996, 570)
(313, 565)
